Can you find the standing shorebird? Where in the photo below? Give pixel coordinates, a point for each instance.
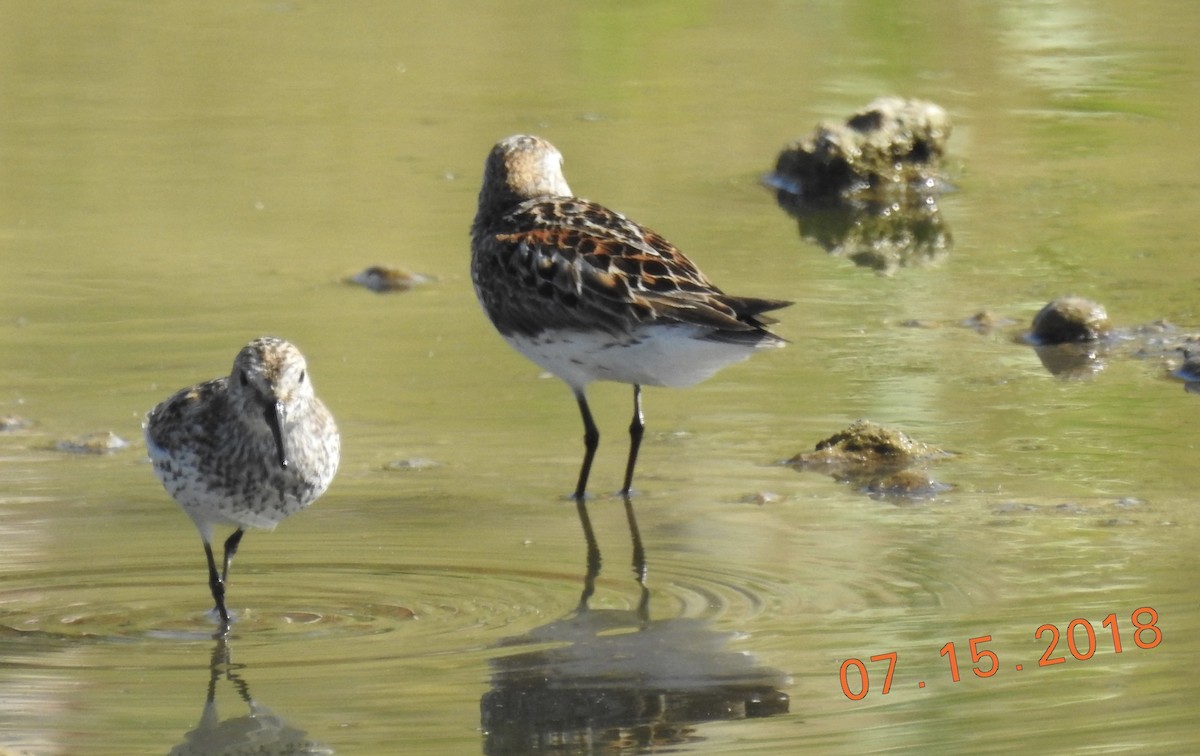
(590, 295)
(245, 450)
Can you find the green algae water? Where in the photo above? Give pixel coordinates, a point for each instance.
(176, 180)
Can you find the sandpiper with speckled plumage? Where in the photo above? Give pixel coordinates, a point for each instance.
(244, 450)
(590, 295)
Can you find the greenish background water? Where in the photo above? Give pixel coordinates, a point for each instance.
(176, 179)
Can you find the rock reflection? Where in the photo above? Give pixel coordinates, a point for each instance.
(881, 236)
(1073, 362)
(615, 679)
(259, 731)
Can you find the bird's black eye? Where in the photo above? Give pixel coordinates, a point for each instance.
(245, 379)
(303, 373)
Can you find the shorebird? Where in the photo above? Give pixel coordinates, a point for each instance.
(590, 295)
(245, 450)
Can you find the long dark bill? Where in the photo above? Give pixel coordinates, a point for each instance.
(273, 413)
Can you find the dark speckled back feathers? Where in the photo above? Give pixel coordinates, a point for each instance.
(543, 259)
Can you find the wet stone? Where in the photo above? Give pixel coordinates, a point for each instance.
(1074, 339)
(762, 498)
(385, 278)
(10, 423)
(411, 464)
(1070, 319)
(893, 146)
(101, 442)
(865, 444)
(986, 321)
(879, 460)
(1189, 368)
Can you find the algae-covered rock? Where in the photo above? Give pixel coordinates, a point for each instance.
(894, 145)
(880, 460)
(865, 444)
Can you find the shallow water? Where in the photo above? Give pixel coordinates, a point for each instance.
(178, 180)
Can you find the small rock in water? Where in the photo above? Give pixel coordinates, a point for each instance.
(14, 423)
(1189, 369)
(1070, 319)
(892, 145)
(880, 460)
(865, 444)
(101, 442)
(412, 463)
(384, 278)
(1129, 502)
(986, 321)
(763, 497)
(1072, 337)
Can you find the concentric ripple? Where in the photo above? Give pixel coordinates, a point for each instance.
(284, 603)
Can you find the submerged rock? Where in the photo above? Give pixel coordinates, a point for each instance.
(1071, 337)
(986, 321)
(385, 278)
(411, 464)
(762, 498)
(14, 423)
(1189, 368)
(879, 460)
(1074, 339)
(865, 444)
(101, 442)
(1070, 319)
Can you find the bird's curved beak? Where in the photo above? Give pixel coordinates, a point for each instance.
(273, 413)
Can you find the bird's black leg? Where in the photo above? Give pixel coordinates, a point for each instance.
(231, 547)
(636, 428)
(591, 440)
(217, 586)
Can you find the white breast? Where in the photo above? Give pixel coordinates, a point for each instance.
(661, 355)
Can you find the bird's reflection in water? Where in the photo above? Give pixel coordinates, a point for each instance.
(614, 679)
(259, 731)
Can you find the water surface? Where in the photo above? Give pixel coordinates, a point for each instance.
(179, 179)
